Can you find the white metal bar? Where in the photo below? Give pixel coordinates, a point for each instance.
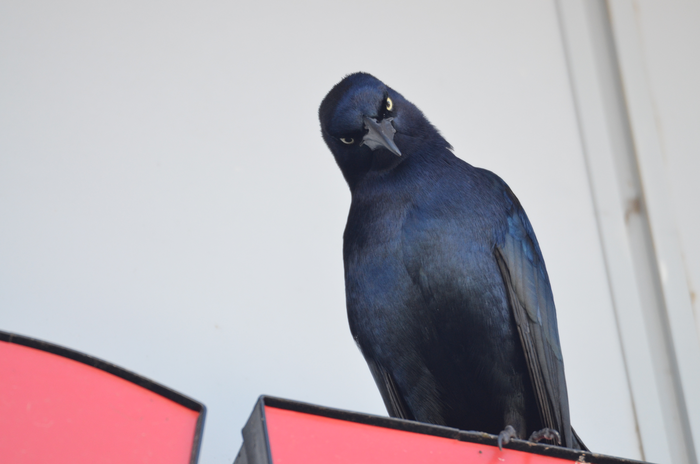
(605, 136)
(683, 338)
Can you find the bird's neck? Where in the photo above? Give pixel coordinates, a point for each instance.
(422, 164)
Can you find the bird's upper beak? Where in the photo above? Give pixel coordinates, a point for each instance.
(380, 134)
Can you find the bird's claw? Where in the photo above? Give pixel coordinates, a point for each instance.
(505, 436)
(546, 434)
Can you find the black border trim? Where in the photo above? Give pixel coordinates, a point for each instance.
(143, 382)
(446, 432)
(256, 442)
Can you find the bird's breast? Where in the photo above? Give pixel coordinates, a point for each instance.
(411, 272)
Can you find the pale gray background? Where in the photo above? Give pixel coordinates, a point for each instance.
(167, 203)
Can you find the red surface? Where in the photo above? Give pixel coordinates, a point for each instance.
(304, 438)
(56, 410)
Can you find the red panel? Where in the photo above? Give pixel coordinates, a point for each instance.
(56, 410)
(304, 438)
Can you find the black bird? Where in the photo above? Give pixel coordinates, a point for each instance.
(447, 292)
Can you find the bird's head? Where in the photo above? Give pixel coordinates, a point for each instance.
(368, 126)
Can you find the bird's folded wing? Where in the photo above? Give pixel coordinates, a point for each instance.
(531, 301)
(390, 394)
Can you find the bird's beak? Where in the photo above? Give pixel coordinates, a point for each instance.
(381, 134)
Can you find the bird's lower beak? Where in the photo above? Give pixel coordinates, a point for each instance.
(380, 134)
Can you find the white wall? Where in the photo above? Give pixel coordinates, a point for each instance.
(168, 204)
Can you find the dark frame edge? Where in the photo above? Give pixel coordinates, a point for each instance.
(255, 448)
(198, 435)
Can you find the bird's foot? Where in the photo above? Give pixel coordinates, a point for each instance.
(505, 436)
(546, 434)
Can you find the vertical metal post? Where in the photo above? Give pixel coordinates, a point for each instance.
(636, 227)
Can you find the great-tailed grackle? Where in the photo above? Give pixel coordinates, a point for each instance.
(447, 292)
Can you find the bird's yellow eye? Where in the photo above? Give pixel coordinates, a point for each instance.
(389, 104)
(347, 141)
